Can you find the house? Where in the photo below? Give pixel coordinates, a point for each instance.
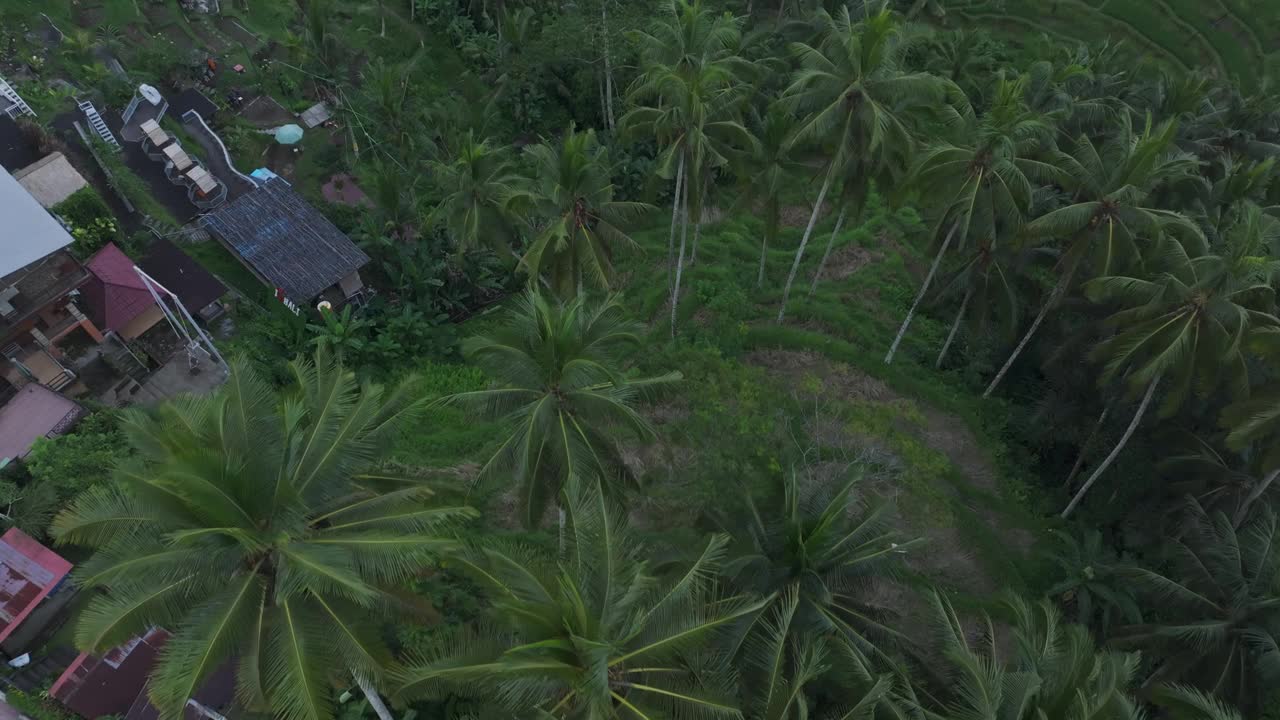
(39, 284)
(32, 412)
(51, 179)
(197, 289)
(289, 245)
(115, 683)
(29, 571)
(116, 298)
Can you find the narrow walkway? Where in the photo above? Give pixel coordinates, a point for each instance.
(215, 158)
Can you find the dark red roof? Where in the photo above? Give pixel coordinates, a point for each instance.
(96, 686)
(115, 293)
(29, 571)
(181, 275)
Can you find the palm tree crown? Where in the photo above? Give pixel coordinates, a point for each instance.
(249, 525)
(577, 218)
(479, 182)
(560, 388)
(596, 634)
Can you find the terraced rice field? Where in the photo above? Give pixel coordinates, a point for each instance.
(1232, 38)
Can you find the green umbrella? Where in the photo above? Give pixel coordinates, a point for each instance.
(288, 134)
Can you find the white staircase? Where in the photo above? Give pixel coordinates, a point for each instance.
(12, 102)
(98, 124)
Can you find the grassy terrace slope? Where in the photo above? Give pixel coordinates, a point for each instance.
(1235, 38)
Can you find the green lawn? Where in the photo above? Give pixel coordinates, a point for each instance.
(1233, 38)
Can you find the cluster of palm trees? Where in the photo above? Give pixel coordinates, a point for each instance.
(1140, 206)
(263, 529)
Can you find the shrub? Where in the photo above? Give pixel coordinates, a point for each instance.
(90, 220)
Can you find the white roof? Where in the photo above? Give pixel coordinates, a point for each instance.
(27, 231)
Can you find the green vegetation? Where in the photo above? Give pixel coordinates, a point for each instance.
(944, 390)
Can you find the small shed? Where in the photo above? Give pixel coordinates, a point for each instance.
(51, 179)
(179, 157)
(204, 182)
(29, 571)
(197, 289)
(288, 244)
(316, 115)
(154, 132)
(116, 298)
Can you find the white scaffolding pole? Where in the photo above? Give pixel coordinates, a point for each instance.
(205, 342)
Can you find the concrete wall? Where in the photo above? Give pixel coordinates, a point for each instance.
(142, 323)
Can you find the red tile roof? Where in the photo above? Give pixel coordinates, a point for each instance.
(115, 294)
(29, 571)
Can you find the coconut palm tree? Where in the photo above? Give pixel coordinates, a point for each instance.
(258, 528)
(768, 171)
(790, 674)
(859, 104)
(560, 389)
(1219, 623)
(1055, 670)
(479, 181)
(992, 175)
(578, 224)
(1182, 702)
(1108, 221)
(1189, 323)
(596, 633)
(988, 283)
(815, 538)
(689, 97)
(1094, 582)
(1254, 424)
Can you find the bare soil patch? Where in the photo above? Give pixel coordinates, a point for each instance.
(848, 260)
(945, 556)
(798, 215)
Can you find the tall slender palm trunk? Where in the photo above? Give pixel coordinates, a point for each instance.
(804, 241)
(1242, 512)
(1084, 449)
(608, 64)
(1054, 296)
(675, 216)
(955, 326)
(831, 241)
(684, 235)
(1115, 452)
(699, 210)
(924, 288)
(770, 234)
(375, 700)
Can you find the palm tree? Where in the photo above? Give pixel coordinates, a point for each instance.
(992, 176)
(768, 171)
(1055, 670)
(257, 527)
(1190, 323)
(576, 218)
(597, 633)
(1093, 582)
(1255, 423)
(789, 674)
(861, 105)
(1219, 623)
(688, 97)
(1182, 702)
(812, 537)
(560, 389)
(478, 182)
(988, 282)
(1108, 218)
